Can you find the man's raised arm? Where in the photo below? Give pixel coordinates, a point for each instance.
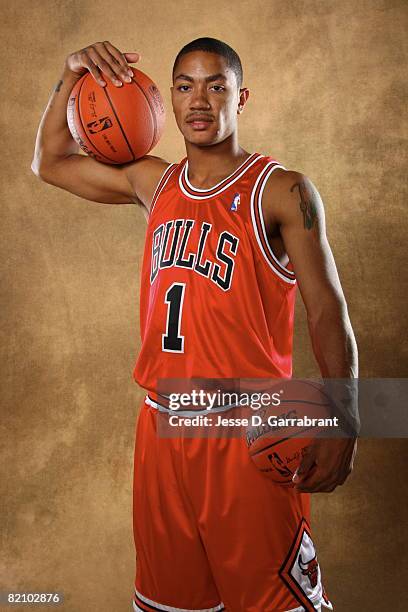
(56, 157)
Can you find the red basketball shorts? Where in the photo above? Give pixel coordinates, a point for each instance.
(212, 533)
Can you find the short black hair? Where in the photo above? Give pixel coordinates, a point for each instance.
(212, 45)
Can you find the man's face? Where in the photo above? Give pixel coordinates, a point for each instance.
(205, 98)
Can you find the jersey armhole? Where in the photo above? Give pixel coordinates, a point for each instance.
(284, 273)
(161, 184)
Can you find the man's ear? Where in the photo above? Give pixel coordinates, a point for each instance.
(243, 97)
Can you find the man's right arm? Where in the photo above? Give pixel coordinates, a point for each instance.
(56, 157)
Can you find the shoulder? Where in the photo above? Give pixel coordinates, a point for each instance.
(279, 178)
(287, 186)
(145, 174)
(148, 169)
(276, 177)
(287, 191)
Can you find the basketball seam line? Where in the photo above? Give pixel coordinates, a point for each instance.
(151, 112)
(120, 125)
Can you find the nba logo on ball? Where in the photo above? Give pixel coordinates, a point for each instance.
(100, 124)
(235, 202)
(277, 449)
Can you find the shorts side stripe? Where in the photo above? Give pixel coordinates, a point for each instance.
(153, 605)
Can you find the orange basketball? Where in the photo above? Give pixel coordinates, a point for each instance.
(113, 124)
(276, 447)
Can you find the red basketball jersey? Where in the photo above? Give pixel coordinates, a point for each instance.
(214, 302)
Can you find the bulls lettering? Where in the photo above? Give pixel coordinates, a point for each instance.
(180, 243)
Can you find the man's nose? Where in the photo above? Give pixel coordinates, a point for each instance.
(199, 98)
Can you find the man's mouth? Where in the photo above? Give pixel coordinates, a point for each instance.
(199, 122)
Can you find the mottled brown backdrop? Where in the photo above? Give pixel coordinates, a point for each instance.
(328, 83)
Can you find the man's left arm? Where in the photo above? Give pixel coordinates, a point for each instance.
(293, 203)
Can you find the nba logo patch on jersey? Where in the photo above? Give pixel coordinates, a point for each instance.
(235, 202)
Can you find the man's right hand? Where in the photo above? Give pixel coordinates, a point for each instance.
(57, 159)
(102, 59)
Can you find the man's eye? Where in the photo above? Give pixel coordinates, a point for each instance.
(218, 87)
(183, 87)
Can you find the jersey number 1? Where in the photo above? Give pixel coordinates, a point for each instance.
(172, 340)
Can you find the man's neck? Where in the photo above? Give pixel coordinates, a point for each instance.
(207, 166)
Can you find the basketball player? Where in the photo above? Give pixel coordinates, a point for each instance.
(230, 236)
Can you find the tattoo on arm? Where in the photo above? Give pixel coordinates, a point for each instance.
(307, 206)
(58, 86)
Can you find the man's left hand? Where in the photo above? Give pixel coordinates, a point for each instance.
(326, 465)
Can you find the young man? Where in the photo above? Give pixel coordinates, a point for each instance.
(230, 236)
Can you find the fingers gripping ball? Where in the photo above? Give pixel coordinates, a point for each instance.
(113, 124)
(278, 446)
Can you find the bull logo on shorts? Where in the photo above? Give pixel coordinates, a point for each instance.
(309, 569)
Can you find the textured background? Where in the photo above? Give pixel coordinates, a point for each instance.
(328, 83)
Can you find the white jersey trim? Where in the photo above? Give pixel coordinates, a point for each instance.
(263, 176)
(205, 192)
(159, 189)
